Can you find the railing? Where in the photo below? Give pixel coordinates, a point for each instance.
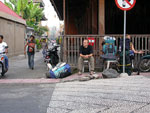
(71, 45)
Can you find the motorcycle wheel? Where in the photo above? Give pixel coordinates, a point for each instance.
(143, 66)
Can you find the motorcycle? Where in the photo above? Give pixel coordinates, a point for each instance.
(52, 58)
(144, 64)
(3, 68)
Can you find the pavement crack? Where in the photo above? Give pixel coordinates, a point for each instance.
(134, 111)
(103, 110)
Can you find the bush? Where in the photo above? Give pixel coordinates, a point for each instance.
(59, 40)
(39, 46)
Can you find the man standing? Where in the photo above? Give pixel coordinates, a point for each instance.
(4, 50)
(30, 51)
(86, 53)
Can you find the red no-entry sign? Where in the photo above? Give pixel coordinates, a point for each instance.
(125, 4)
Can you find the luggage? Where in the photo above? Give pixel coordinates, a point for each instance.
(109, 48)
(61, 70)
(110, 73)
(127, 45)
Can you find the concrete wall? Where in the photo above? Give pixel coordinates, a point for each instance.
(14, 34)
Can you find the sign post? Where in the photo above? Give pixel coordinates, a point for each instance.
(124, 44)
(125, 5)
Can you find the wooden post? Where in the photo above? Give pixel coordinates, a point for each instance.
(148, 44)
(94, 17)
(65, 44)
(64, 15)
(101, 21)
(101, 17)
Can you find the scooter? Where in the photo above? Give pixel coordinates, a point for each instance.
(52, 58)
(3, 68)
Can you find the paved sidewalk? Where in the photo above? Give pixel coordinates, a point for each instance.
(44, 80)
(119, 95)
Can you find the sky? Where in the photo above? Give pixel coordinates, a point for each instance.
(50, 14)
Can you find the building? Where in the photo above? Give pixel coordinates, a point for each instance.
(13, 28)
(96, 18)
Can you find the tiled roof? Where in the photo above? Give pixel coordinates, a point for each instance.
(5, 9)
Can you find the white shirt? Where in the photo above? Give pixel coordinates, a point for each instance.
(3, 47)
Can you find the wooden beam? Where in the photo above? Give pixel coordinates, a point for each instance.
(101, 17)
(64, 15)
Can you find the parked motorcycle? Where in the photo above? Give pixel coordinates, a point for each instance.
(3, 68)
(144, 64)
(52, 58)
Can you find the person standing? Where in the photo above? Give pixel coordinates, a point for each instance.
(86, 53)
(44, 46)
(30, 51)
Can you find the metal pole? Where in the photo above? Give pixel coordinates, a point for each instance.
(124, 44)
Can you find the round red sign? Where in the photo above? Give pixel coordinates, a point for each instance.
(125, 4)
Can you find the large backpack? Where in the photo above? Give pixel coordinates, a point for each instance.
(109, 48)
(127, 44)
(60, 71)
(128, 65)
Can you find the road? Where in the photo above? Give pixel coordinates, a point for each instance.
(29, 97)
(25, 98)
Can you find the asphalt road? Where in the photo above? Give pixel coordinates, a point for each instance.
(25, 98)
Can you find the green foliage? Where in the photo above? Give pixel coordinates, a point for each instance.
(31, 12)
(9, 5)
(59, 40)
(41, 30)
(39, 46)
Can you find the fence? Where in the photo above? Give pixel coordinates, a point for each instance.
(71, 45)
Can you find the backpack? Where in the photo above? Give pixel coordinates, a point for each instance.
(109, 48)
(60, 71)
(127, 46)
(31, 46)
(128, 63)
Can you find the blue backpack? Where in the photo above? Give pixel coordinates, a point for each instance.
(109, 48)
(60, 71)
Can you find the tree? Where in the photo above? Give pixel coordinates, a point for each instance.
(31, 12)
(17, 5)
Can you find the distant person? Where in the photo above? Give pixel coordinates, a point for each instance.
(44, 46)
(4, 50)
(30, 51)
(86, 53)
